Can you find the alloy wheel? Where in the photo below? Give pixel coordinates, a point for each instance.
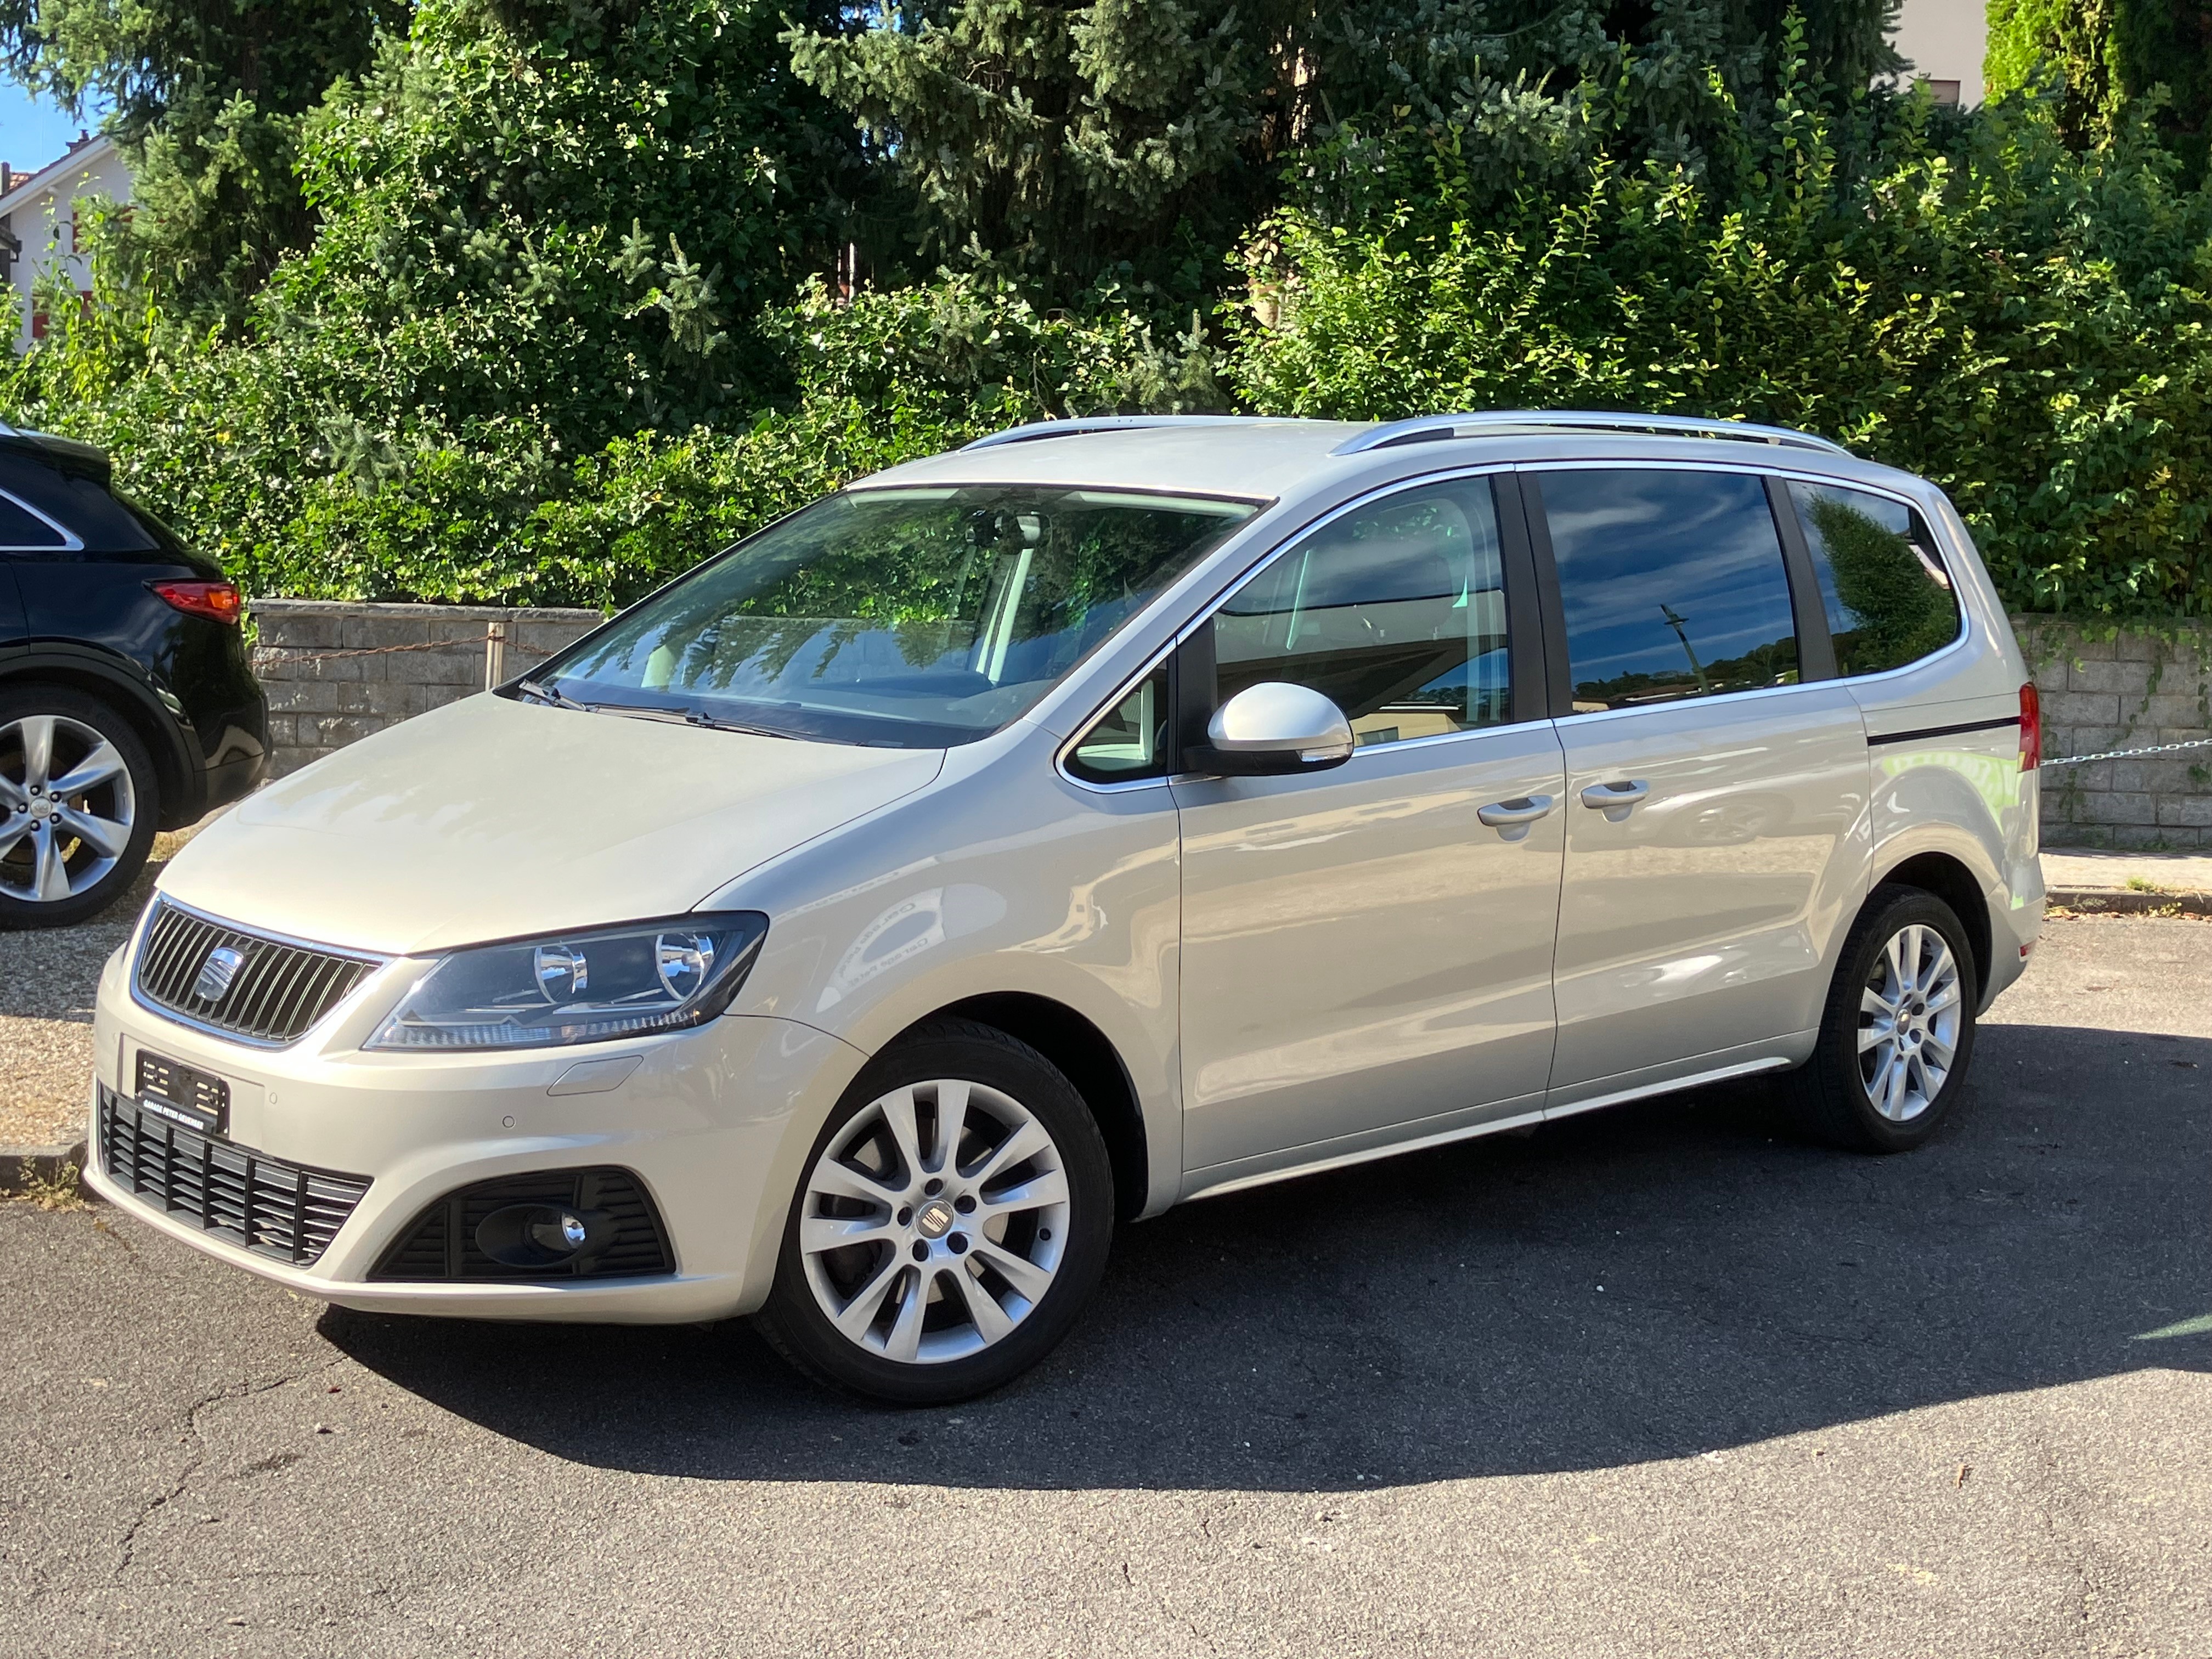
(67, 808)
(1909, 1014)
(934, 1221)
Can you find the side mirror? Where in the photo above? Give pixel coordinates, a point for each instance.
(1274, 729)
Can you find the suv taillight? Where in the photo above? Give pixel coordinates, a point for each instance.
(217, 601)
(2031, 728)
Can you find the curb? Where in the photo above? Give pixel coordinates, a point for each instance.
(2127, 900)
(20, 1163)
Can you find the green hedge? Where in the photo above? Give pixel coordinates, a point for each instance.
(2028, 328)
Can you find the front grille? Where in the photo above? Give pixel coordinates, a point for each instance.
(271, 992)
(286, 1211)
(442, 1242)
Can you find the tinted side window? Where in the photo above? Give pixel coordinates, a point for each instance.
(1673, 585)
(21, 529)
(1396, 612)
(1889, 602)
(1129, 740)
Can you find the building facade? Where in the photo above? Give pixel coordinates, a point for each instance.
(44, 219)
(1944, 41)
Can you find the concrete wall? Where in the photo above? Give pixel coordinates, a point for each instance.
(336, 672)
(2129, 692)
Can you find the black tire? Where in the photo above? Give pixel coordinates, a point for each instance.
(1830, 1094)
(19, 866)
(798, 1325)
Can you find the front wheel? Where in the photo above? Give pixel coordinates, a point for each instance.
(952, 1219)
(1898, 1033)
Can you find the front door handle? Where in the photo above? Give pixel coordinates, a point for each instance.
(1511, 819)
(1614, 799)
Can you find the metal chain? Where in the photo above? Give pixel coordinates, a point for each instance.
(288, 656)
(2129, 754)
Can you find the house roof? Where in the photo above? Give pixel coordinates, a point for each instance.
(91, 153)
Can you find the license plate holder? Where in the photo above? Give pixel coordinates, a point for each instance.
(183, 1095)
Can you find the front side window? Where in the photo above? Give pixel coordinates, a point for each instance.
(1396, 612)
(913, 618)
(1889, 602)
(1130, 740)
(1673, 585)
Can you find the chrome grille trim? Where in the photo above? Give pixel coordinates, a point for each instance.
(281, 988)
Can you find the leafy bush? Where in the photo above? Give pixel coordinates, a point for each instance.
(2030, 328)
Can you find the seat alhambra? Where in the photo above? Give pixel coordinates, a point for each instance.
(1105, 815)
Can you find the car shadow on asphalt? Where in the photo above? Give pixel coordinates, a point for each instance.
(1652, 1282)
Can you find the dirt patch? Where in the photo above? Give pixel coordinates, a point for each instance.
(48, 976)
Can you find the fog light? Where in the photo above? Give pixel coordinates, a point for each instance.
(543, 1235)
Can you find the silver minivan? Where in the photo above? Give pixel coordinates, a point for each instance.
(1105, 815)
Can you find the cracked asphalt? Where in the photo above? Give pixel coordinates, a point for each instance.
(1657, 1381)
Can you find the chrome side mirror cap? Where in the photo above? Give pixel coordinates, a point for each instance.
(1274, 729)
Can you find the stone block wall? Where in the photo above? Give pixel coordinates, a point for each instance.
(335, 672)
(2127, 692)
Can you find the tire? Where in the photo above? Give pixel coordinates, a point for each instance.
(1027, 1188)
(55, 867)
(1869, 1093)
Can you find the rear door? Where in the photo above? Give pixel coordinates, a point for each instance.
(1366, 959)
(1717, 775)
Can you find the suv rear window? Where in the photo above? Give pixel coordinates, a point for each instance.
(1888, 597)
(23, 531)
(1673, 583)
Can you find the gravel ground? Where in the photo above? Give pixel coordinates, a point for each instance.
(47, 977)
(1658, 1382)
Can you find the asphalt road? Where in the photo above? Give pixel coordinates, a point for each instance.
(1651, 1382)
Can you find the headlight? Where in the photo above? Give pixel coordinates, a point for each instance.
(580, 987)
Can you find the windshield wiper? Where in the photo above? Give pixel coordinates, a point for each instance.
(547, 694)
(698, 717)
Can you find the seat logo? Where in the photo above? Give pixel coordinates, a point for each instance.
(216, 973)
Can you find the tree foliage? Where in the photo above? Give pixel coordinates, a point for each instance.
(207, 97)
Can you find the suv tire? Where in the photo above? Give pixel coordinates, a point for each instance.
(967, 1263)
(56, 867)
(1897, 1036)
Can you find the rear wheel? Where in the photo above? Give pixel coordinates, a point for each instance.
(1898, 1033)
(78, 806)
(951, 1221)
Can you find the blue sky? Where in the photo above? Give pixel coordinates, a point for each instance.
(33, 132)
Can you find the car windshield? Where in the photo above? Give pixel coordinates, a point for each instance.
(915, 618)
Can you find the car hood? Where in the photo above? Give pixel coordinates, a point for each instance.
(490, 818)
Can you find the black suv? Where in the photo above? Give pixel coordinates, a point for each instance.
(126, 702)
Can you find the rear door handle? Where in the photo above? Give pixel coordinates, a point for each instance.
(1511, 819)
(1614, 799)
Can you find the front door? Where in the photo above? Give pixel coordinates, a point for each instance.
(1716, 801)
(1365, 959)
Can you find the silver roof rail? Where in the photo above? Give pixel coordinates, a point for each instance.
(1035, 430)
(1501, 422)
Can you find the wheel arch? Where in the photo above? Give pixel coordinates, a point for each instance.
(1950, 879)
(1088, 1058)
(175, 774)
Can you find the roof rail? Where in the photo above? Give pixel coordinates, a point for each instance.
(1035, 430)
(1501, 422)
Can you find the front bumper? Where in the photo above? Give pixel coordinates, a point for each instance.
(713, 1122)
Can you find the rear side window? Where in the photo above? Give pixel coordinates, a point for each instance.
(1673, 585)
(22, 530)
(1889, 598)
(1395, 613)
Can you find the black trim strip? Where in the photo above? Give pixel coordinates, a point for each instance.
(1873, 738)
(1816, 645)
